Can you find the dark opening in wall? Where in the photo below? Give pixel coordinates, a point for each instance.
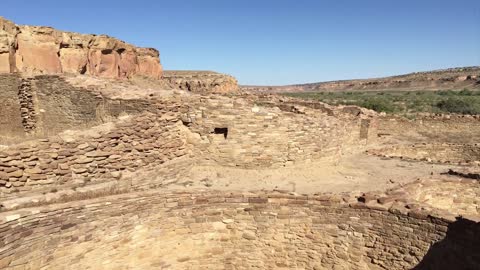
(83, 69)
(223, 131)
(107, 51)
(186, 123)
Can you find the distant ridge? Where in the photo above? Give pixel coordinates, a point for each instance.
(442, 79)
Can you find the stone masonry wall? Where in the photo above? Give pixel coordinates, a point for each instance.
(43, 106)
(232, 231)
(244, 132)
(63, 106)
(10, 119)
(255, 137)
(27, 106)
(146, 140)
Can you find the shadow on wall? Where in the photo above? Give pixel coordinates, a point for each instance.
(459, 250)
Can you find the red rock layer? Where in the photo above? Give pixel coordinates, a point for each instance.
(44, 50)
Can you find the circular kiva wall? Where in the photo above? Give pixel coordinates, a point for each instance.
(231, 231)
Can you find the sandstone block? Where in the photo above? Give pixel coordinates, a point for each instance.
(249, 235)
(15, 174)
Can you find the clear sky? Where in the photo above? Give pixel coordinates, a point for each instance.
(274, 42)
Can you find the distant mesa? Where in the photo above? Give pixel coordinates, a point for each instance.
(44, 50)
(445, 79)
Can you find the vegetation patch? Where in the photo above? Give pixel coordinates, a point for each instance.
(403, 102)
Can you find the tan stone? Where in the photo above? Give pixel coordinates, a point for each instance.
(16, 174)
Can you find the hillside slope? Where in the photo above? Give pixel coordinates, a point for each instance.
(445, 79)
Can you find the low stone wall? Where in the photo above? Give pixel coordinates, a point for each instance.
(459, 196)
(463, 154)
(456, 129)
(233, 231)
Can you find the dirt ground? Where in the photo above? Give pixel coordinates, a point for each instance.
(360, 173)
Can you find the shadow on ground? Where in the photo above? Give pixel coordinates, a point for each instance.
(459, 250)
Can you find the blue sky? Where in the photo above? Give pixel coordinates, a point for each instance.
(275, 42)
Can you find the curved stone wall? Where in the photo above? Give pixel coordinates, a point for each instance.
(232, 231)
(252, 132)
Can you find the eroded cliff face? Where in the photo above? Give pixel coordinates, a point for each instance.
(201, 81)
(44, 50)
(8, 31)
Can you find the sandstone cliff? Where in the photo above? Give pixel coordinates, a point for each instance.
(44, 50)
(201, 81)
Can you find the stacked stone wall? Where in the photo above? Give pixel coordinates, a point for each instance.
(232, 231)
(10, 120)
(43, 106)
(216, 130)
(63, 106)
(244, 132)
(27, 106)
(144, 141)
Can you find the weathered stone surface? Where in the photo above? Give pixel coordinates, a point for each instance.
(44, 50)
(148, 63)
(8, 32)
(185, 231)
(37, 50)
(201, 81)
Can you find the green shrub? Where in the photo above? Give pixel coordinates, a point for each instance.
(446, 101)
(379, 105)
(462, 106)
(445, 92)
(465, 92)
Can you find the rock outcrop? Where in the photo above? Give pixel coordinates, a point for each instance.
(44, 50)
(201, 81)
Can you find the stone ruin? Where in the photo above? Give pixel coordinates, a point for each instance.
(85, 174)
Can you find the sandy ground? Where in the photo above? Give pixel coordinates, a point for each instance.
(360, 173)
